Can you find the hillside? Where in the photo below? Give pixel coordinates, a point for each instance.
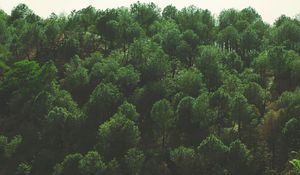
(149, 91)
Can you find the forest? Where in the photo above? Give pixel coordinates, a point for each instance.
(143, 90)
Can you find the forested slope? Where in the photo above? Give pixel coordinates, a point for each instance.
(149, 91)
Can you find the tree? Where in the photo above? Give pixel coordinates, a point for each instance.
(184, 159)
(69, 165)
(104, 71)
(103, 102)
(129, 29)
(171, 41)
(134, 160)
(185, 115)
(21, 11)
(203, 114)
(228, 18)
(219, 100)
(76, 79)
(107, 27)
(208, 63)
(117, 136)
(233, 61)
(249, 14)
(145, 14)
(240, 111)
(291, 133)
(240, 158)
(190, 82)
(287, 34)
(163, 116)
(212, 154)
(129, 111)
(229, 38)
(127, 79)
(61, 127)
(249, 41)
(279, 60)
(170, 12)
(31, 39)
(200, 21)
(149, 59)
(91, 164)
(255, 95)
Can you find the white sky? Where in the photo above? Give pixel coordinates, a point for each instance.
(268, 9)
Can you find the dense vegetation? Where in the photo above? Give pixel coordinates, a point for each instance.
(146, 91)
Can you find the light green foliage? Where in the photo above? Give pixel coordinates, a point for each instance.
(12, 146)
(92, 164)
(23, 169)
(296, 165)
(8, 148)
(69, 165)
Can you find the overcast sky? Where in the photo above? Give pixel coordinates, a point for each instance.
(268, 9)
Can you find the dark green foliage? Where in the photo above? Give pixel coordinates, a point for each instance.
(184, 158)
(116, 136)
(190, 82)
(134, 160)
(208, 64)
(163, 117)
(244, 164)
(70, 165)
(212, 154)
(141, 90)
(103, 102)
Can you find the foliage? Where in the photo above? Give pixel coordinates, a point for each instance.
(143, 90)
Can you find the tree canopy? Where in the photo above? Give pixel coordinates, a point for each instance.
(142, 90)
